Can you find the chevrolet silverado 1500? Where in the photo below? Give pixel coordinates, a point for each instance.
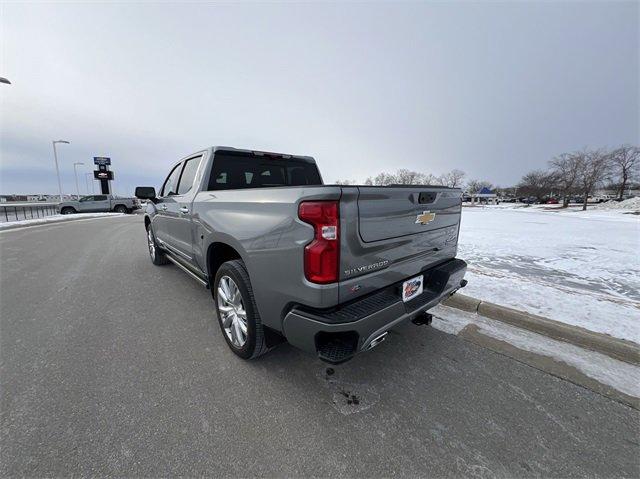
(329, 268)
(95, 203)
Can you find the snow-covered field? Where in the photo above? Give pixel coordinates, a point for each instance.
(54, 219)
(581, 268)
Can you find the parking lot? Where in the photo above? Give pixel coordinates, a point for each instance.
(111, 366)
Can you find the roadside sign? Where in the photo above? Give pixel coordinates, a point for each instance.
(103, 175)
(101, 160)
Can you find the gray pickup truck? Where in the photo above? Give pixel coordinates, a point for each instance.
(99, 203)
(328, 268)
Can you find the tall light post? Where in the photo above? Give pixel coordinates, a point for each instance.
(89, 178)
(55, 157)
(75, 172)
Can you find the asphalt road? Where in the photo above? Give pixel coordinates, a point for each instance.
(111, 366)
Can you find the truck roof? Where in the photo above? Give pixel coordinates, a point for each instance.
(232, 150)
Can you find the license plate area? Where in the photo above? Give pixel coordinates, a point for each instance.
(412, 288)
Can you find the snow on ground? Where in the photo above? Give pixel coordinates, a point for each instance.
(620, 375)
(578, 267)
(54, 219)
(630, 204)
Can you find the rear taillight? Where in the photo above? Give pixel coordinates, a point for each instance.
(322, 255)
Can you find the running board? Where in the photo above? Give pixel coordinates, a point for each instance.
(186, 270)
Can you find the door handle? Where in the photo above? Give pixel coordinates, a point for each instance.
(163, 207)
(184, 209)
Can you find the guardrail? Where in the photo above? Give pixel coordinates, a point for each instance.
(26, 211)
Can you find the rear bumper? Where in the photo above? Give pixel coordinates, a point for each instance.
(337, 334)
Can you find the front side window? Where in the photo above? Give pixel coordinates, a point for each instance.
(170, 186)
(100, 198)
(233, 171)
(188, 175)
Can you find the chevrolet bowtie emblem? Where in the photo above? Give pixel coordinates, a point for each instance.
(425, 218)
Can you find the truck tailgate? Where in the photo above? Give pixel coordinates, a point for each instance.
(389, 234)
(388, 212)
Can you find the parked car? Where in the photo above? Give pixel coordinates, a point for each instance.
(329, 268)
(552, 201)
(602, 198)
(99, 203)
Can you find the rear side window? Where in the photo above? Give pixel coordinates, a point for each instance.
(188, 175)
(232, 172)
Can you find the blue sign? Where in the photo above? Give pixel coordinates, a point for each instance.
(101, 160)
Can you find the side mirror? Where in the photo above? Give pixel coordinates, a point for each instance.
(146, 192)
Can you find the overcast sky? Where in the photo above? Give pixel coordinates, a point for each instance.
(494, 89)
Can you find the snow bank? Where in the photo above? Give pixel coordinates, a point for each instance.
(632, 204)
(620, 375)
(54, 219)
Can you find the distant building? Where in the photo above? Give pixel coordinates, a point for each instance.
(485, 195)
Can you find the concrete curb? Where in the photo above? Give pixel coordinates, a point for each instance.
(615, 348)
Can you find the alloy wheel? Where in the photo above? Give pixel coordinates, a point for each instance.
(233, 314)
(152, 244)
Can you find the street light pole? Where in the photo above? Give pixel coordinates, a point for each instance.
(86, 182)
(55, 157)
(75, 172)
(91, 180)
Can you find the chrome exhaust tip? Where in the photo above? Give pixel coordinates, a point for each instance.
(377, 340)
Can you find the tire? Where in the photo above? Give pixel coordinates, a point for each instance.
(157, 255)
(68, 210)
(121, 209)
(254, 344)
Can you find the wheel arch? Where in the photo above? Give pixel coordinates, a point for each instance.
(218, 253)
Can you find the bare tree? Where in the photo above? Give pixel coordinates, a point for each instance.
(592, 169)
(453, 179)
(537, 183)
(345, 182)
(381, 179)
(430, 179)
(408, 177)
(624, 161)
(401, 177)
(473, 186)
(565, 170)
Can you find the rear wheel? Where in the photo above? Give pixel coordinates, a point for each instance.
(157, 255)
(121, 209)
(68, 210)
(237, 312)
